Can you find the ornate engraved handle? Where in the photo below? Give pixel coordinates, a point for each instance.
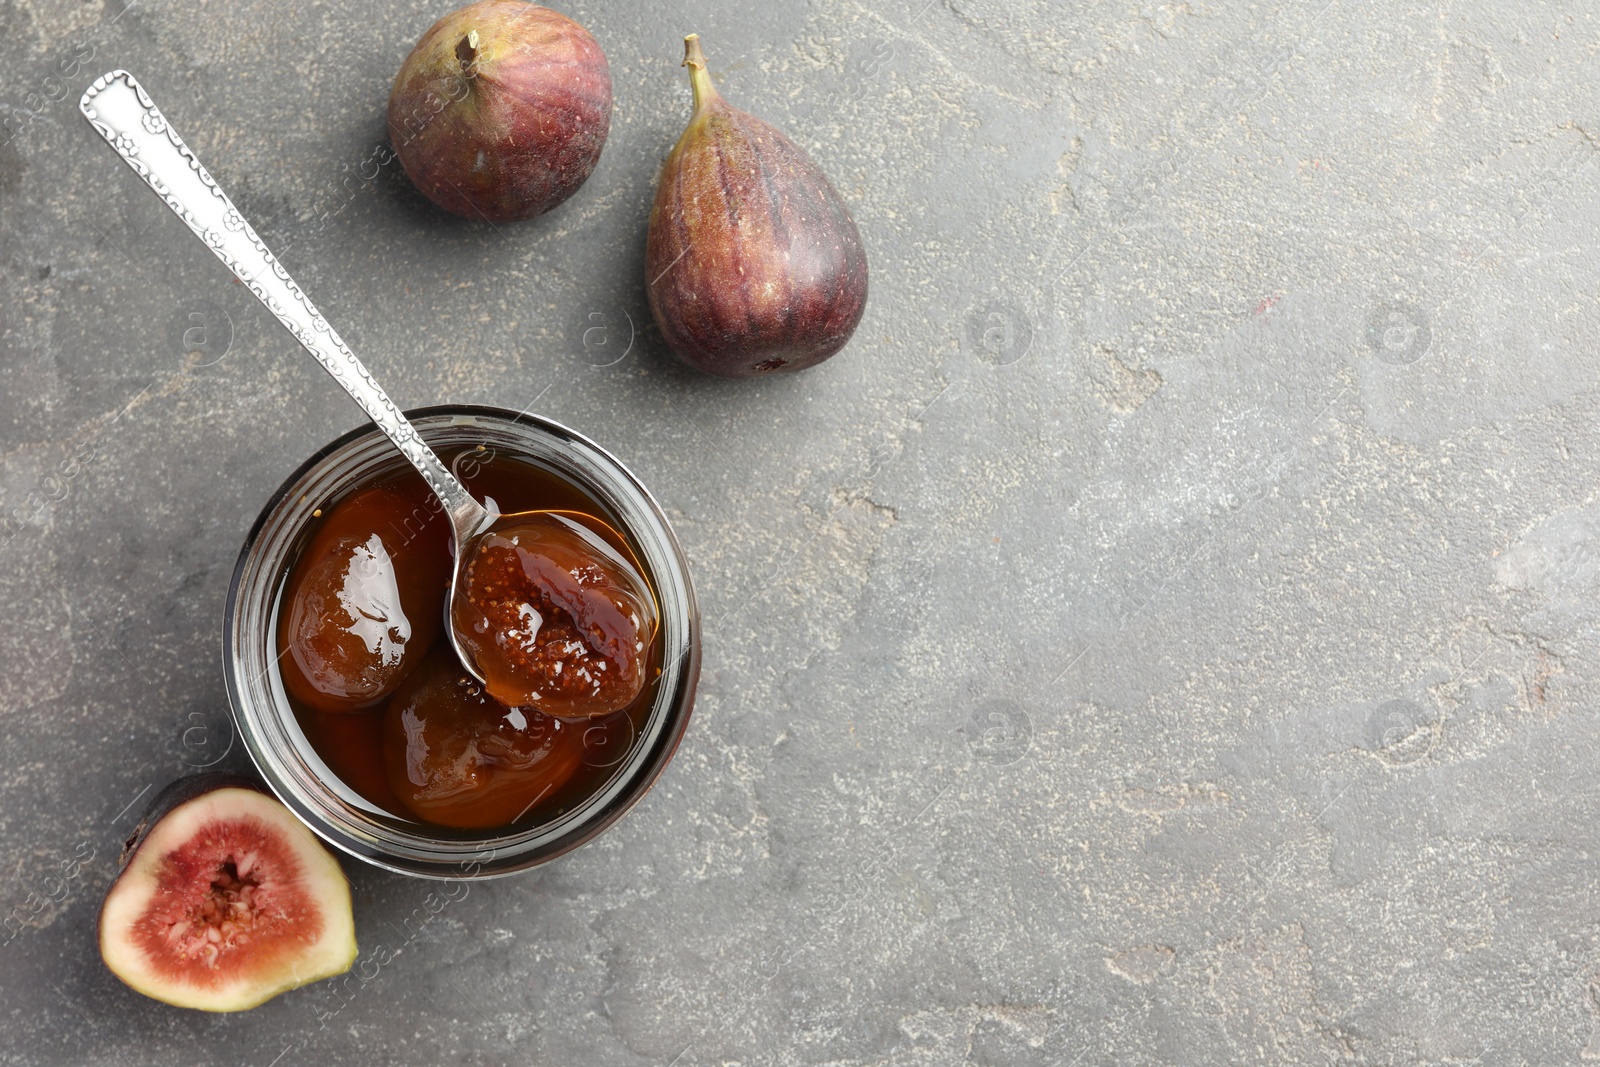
(128, 119)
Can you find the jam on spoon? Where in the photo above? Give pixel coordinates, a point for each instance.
(553, 617)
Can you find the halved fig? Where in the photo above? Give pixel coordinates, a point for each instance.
(224, 900)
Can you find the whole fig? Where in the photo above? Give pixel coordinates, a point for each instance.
(501, 110)
(753, 264)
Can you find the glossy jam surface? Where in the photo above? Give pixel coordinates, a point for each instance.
(457, 757)
(377, 688)
(364, 600)
(555, 618)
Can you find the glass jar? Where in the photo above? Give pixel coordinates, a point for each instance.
(272, 735)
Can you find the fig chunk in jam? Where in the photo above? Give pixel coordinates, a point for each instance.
(365, 601)
(456, 757)
(555, 618)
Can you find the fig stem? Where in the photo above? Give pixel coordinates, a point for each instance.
(699, 77)
(467, 53)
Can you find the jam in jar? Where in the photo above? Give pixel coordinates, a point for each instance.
(557, 611)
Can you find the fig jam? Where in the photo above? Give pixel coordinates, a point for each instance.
(366, 661)
(554, 617)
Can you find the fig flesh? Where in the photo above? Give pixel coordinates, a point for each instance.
(224, 900)
(501, 110)
(753, 263)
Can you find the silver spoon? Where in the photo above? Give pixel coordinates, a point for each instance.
(117, 105)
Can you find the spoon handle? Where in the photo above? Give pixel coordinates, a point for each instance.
(117, 105)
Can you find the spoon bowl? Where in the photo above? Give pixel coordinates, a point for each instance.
(553, 614)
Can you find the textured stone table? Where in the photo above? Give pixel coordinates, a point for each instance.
(1166, 635)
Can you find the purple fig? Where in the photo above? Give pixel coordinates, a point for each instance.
(501, 110)
(753, 264)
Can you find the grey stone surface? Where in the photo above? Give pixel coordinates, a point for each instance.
(1166, 635)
